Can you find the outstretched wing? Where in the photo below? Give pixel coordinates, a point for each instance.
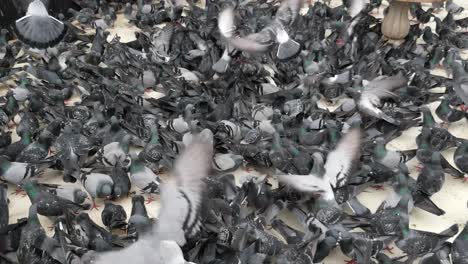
(340, 160)
(181, 196)
(383, 86)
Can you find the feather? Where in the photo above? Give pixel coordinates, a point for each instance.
(181, 196)
(339, 161)
(180, 202)
(226, 23)
(248, 44)
(38, 29)
(383, 86)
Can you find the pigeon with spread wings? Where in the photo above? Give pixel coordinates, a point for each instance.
(37, 28)
(273, 32)
(331, 174)
(179, 216)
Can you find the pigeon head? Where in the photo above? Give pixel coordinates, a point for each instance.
(80, 196)
(105, 190)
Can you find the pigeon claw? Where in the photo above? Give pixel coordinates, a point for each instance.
(352, 261)
(419, 168)
(95, 206)
(150, 199)
(378, 187)
(465, 179)
(19, 191)
(389, 249)
(463, 108)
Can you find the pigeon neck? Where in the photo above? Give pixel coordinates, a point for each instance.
(11, 103)
(458, 71)
(444, 106)
(154, 136)
(428, 119)
(139, 208)
(380, 150)
(318, 168)
(294, 151)
(136, 166)
(334, 135)
(31, 190)
(276, 142)
(32, 217)
(4, 165)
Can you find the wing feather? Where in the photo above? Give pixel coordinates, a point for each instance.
(383, 86)
(181, 196)
(226, 23)
(40, 31)
(340, 161)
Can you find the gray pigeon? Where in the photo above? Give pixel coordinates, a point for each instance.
(98, 185)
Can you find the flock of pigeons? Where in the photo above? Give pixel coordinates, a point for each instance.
(241, 82)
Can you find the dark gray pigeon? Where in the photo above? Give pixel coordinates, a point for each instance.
(113, 216)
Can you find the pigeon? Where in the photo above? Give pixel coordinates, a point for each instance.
(448, 114)
(139, 222)
(172, 224)
(113, 216)
(261, 41)
(69, 192)
(143, 177)
(416, 242)
(453, 8)
(325, 176)
(172, 253)
(115, 152)
(49, 204)
(432, 177)
(4, 217)
(72, 150)
(38, 29)
(87, 234)
(227, 162)
(460, 82)
(35, 246)
(37, 151)
(390, 158)
(370, 97)
(459, 253)
(460, 157)
(98, 185)
(17, 172)
(122, 184)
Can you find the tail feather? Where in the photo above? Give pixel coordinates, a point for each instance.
(40, 31)
(428, 205)
(451, 231)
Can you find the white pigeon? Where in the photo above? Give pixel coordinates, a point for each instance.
(179, 213)
(37, 28)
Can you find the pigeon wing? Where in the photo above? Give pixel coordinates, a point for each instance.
(181, 197)
(340, 161)
(383, 86)
(40, 31)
